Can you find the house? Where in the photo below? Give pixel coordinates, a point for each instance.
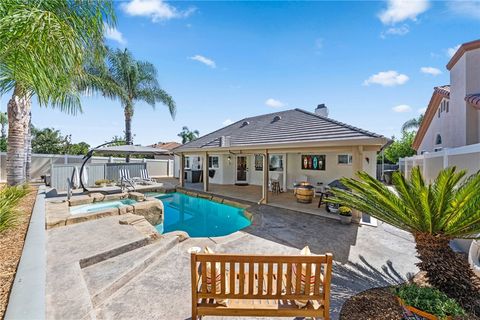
(166, 146)
(292, 145)
(452, 118)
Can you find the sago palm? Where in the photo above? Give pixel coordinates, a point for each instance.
(129, 81)
(43, 46)
(435, 213)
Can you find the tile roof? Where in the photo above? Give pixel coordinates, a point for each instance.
(166, 145)
(443, 90)
(288, 126)
(473, 99)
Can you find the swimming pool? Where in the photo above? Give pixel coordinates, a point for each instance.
(99, 206)
(200, 217)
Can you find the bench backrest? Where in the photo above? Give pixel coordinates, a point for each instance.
(273, 277)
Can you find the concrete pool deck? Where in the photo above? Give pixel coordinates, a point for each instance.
(103, 269)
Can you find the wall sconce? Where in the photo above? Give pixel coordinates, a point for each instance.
(229, 158)
(367, 159)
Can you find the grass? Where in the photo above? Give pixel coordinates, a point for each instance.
(9, 198)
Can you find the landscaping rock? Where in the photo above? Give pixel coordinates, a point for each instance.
(79, 200)
(217, 199)
(137, 196)
(115, 196)
(97, 196)
(151, 210)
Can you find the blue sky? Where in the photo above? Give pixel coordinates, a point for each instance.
(374, 64)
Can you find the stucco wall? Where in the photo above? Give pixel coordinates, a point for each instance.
(442, 126)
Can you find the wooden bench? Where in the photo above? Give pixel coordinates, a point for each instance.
(257, 285)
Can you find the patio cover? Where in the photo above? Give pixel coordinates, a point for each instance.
(131, 149)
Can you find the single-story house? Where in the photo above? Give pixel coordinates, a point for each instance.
(293, 145)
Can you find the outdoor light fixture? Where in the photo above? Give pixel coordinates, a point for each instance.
(229, 158)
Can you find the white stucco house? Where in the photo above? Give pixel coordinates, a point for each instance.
(291, 146)
(452, 118)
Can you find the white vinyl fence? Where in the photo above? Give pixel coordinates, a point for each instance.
(464, 158)
(58, 167)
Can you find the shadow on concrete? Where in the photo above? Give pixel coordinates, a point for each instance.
(297, 230)
(352, 278)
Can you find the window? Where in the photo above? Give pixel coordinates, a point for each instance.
(213, 162)
(438, 139)
(258, 162)
(344, 159)
(187, 162)
(276, 163)
(447, 103)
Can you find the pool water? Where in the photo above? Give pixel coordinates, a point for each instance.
(200, 217)
(99, 206)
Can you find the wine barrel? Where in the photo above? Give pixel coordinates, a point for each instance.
(305, 195)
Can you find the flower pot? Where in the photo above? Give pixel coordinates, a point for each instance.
(418, 312)
(345, 219)
(332, 207)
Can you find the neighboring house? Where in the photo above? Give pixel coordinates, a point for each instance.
(166, 146)
(293, 145)
(452, 118)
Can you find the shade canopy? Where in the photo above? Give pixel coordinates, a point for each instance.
(131, 149)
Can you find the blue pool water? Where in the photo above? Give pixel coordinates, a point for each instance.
(200, 217)
(99, 206)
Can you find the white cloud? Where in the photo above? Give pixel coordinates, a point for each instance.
(114, 34)
(430, 70)
(396, 31)
(402, 108)
(206, 61)
(422, 110)
(401, 10)
(227, 122)
(157, 10)
(451, 51)
(274, 103)
(465, 8)
(387, 79)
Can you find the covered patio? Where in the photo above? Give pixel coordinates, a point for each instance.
(252, 193)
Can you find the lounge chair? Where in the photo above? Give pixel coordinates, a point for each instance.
(260, 286)
(145, 177)
(125, 180)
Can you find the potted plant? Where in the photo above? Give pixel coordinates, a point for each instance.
(345, 214)
(427, 302)
(102, 183)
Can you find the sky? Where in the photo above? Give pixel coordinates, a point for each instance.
(374, 64)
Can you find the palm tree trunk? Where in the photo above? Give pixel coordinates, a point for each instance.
(28, 148)
(448, 271)
(128, 126)
(18, 111)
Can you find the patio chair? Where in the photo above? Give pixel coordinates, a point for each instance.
(261, 286)
(145, 177)
(125, 179)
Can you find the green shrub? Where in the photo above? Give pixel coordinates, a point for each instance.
(103, 181)
(430, 300)
(345, 211)
(9, 198)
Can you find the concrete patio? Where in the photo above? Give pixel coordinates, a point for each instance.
(106, 270)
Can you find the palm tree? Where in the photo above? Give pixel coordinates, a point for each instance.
(129, 81)
(43, 46)
(412, 123)
(188, 135)
(434, 213)
(3, 124)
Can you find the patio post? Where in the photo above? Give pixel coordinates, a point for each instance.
(357, 166)
(205, 172)
(265, 177)
(182, 170)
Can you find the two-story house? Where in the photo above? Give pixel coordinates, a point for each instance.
(452, 118)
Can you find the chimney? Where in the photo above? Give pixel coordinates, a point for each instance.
(321, 110)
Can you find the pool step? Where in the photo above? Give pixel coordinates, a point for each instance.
(105, 278)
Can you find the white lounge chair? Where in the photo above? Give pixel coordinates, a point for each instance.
(145, 177)
(125, 179)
